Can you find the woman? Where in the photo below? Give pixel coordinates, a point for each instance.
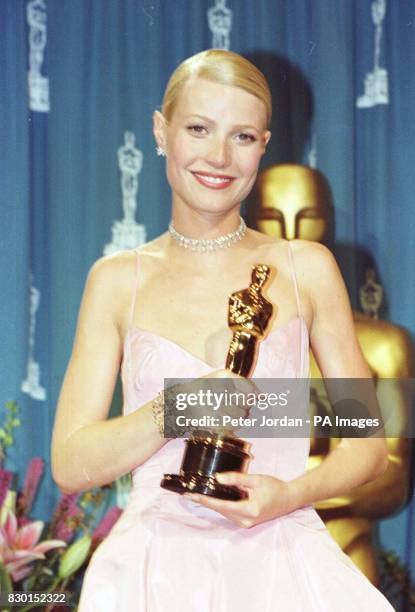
(162, 311)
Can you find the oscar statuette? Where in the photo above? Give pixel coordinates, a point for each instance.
(208, 452)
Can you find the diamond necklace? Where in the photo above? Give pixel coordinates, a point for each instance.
(213, 244)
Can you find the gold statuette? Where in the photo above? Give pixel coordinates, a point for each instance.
(248, 316)
(207, 452)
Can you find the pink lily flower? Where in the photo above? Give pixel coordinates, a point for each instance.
(19, 546)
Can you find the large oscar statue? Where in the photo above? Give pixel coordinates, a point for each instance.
(293, 201)
(208, 452)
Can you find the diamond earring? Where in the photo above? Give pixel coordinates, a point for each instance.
(160, 151)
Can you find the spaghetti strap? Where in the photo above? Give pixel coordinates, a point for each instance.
(294, 278)
(134, 294)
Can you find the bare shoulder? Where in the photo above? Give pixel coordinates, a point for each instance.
(315, 264)
(321, 282)
(111, 279)
(112, 272)
(309, 257)
(308, 253)
(117, 272)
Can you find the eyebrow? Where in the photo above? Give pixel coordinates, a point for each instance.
(234, 127)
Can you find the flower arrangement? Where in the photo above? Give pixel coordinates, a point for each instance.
(50, 557)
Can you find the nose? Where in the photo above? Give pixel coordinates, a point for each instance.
(219, 153)
(290, 226)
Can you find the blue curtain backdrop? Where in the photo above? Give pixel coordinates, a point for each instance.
(343, 77)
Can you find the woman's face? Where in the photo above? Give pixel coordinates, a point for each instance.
(214, 143)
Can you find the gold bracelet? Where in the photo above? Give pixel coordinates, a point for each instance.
(158, 412)
(163, 414)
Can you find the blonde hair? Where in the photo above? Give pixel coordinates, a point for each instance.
(219, 66)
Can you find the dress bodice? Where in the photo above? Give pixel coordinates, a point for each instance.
(150, 358)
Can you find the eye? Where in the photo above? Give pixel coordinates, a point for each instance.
(245, 138)
(197, 130)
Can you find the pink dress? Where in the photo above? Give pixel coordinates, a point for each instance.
(166, 554)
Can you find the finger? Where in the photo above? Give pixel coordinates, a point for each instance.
(220, 505)
(237, 478)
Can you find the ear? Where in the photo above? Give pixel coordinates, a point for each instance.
(267, 137)
(159, 129)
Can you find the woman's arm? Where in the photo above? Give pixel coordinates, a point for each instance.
(354, 461)
(87, 449)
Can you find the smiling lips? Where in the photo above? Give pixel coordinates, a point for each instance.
(213, 181)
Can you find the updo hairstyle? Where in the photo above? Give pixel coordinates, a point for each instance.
(219, 66)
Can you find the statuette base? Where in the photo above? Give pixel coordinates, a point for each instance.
(206, 454)
(194, 483)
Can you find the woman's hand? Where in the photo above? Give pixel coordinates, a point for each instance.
(217, 388)
(268, 498)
